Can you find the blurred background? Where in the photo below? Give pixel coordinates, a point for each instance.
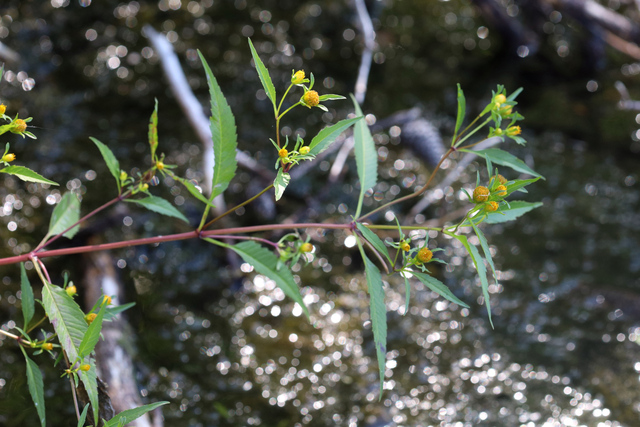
(226, 348)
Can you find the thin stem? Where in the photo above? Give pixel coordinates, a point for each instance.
(235, 207)
(36, 264)
(73, 387)
(412, 195)
(472, 132)
(37, 324)
(455, 141)
(377, 254)
(282, 100)
(10, 335)
(202, 225)
(403, 227)
(256, 239)
(289, 109)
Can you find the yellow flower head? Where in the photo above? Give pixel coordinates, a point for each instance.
(123, 176)
(47, 346)
(298, 77)
(506, 110)
(501, 179)
(405, 246)
(501, 191)
(491, 207)
(9, 157)
(480, 194)
(306, 247)
(19, 126)
(85, 367)
(500, 99)
(304, 150)
(159, 165)
(513, 130)
(90, 318)
(311, 99)
(71, 290)
(283, 153)
(106, 300)
(3, 108)
(424, 255)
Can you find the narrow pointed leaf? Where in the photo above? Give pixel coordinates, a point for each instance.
(481, 269)
(330, 97)
(28, 305)
(111, 312)
(263, 73)
(92, 335)
(519, 184)
(328, 135)
(407, 294)
(503, 158)
(378, 314)
(462, 108)
(485, 248)
(153, 131)
(90, 381)
(375, 241)
(159, 205)
(438, 287)
(125, 417)
(265, 262)
(280, 183)
(510, 212)
(36, 387)
(65, 214)
(195, 192)
(27, 174)
(83, 416)
(110, 159)
(366, 156)
(223, 133)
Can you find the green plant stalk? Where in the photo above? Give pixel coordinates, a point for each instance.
(471, 133)
(454, 142)
(201, 227)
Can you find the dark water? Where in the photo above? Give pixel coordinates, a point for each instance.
(229, 349)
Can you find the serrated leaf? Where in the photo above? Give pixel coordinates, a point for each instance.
(223, 134)
(28, 301)
(280, 183)
(366, 156)
(503, 158)
(110, 159)
(159, 205)
(265, 262)
(92, 335)
(485, 248)
(263, 73)
(90, 381)
(438, 287)
(480, 268)
(462, 108)
(125, 417)
(36, 387)
(26, 174)
(153, 132)
(510, 212)
(65, 214)
(378, 314)
(328, 135)
(375, 241)
(83, 416)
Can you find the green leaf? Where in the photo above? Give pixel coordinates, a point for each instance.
(375, 241)
(112, 312)
(65, 214)
(194, 190)
(159, 205)
(328, 135)
(518, 184)
(407, 294)
(153, 133)
(265, 262)
(223, 134)
(90, 380)
(125, 417)
(330, 97)
(503, 158)
(485, 248)
(462, 105)
(27, 174)
(510, 212)
(92, 335)
(438, 287)
(28, 305)
(366, 156)
(112, 163)
(263, 73)
(280, 183)
(36, 387)
(83, 416)
(378, 314)
(480, 268)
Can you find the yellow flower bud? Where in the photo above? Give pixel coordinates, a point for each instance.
(491, 207)
(85, 367)
(311, 98)
(501, 179)
(480, 194)
(47, 346)
(305, 150)
(513, 130)
(19, 126)
(144, 186)
(506, 111)
(500, 99)
(123, 176)
(424, 255)
(71, 290)
(9, 157)
(106, 300)
(159, 165)
(498, 132)
(405, 246)
(306, 247)
(298, 77)
(501, 190)
(90, 318)
(283, 153)
(3, 108)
